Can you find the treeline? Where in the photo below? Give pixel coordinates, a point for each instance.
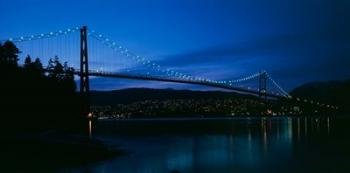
(34, 98)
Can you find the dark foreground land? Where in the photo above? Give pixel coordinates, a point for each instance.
(51, 152)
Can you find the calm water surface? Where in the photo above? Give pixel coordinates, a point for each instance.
(281, 144)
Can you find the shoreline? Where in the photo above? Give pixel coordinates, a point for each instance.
(212, 118)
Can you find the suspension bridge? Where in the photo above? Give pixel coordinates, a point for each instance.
(100, 56)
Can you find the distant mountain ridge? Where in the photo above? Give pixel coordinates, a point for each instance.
(331, 92)
(126, 96)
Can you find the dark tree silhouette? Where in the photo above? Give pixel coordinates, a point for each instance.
(34, 98)
(56, 71)
(51, 68)
(50, 65)
(33, 68)
(27, 62)
(69, 77)
(69, 72)
(36, 108)
(38, 66)
(10, 53)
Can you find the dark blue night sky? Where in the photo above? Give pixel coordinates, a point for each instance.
(296, 41)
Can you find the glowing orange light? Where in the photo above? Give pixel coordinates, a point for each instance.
(269, 111)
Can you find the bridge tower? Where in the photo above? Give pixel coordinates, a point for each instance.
(262, 85)
(84, 68)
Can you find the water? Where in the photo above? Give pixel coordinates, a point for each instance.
(319, 144)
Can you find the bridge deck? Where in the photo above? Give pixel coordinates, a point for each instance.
(174, 80)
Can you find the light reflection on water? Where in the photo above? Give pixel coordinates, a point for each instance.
(90, 128)
(227, 145)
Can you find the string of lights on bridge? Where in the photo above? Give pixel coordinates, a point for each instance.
(113, 45)
(43, 35)
(142, 60)
(169, 72)
(154, 66)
